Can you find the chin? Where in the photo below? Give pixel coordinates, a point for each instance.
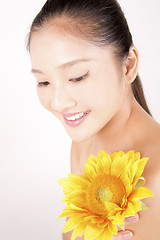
(79, 137)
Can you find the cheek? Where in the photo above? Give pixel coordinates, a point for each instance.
(105, 93)
(43, 98)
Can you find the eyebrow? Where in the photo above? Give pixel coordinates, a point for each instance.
(69, 64)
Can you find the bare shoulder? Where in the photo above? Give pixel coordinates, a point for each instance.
(148, 226)
(152, 148)
(152, 169)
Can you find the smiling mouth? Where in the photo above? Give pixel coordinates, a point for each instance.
(74, 119)
(76, 116)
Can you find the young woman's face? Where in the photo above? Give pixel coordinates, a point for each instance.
(80, 83)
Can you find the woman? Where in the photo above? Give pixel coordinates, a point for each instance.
(86, 68)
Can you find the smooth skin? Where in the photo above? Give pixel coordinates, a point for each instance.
(115, 122)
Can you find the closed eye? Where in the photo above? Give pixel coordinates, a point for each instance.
(79, 78)
(46, 83)
(40, 84)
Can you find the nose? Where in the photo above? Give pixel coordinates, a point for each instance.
(62, 100)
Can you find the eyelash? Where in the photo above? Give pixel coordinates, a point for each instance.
(41, 84)
(79, 78)
(75, 80)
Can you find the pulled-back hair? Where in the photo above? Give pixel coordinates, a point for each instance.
(102, 22)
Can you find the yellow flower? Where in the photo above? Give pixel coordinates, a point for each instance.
(109, 190)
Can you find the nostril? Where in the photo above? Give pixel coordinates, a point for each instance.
(63, 103)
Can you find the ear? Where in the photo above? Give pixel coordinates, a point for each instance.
(131, 65)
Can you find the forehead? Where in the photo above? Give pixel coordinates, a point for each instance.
(48, 41)
(49, 46)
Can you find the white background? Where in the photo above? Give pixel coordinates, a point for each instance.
(34, 148)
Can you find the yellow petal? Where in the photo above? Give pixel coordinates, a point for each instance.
(140, 193)
(89, 171)
(102, 154)
(125, 178)
(92, 160)
(67, 212)
(78, 180)
(72, 209)
(107, 164)
(78, 230)
(129, 210)
(141, 165)
(70, 225)
(121, 153)
(105, 161)
(112, 208)
(137, 156)
(72, 206)
(129, 189)
(65, 183)
(105, 235)
(118, 166)
(114, 155)
(78, 198)
(131, 155)
(92, 232)
(100, 167)
(121, 226)
(137, 206)
(117, 218)
(133, 170)
(112, 228)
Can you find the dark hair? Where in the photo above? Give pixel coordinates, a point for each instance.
(102, 22)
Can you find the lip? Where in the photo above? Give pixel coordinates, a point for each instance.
(75, 122)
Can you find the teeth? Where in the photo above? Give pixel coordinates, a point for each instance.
(76, 116)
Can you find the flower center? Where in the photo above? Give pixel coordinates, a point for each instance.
(105, 188)
(104, 195)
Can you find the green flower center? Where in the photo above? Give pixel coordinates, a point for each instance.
(104, 195)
